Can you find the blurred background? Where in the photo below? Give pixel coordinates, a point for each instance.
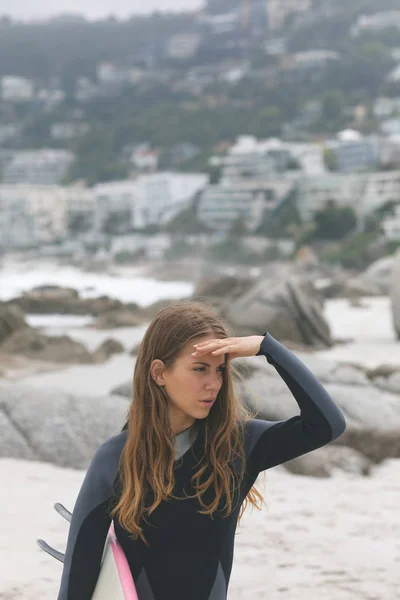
(242, 151)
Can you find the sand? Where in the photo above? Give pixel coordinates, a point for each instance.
(330, 539)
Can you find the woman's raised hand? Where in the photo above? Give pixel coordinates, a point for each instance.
(235, 347)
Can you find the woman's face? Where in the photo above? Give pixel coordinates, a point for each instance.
(191, 381)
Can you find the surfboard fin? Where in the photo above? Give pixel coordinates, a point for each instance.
(54, 553)
(63, 511)
(60, 508)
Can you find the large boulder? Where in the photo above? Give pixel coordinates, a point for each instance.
(395, 294)
(117, 318)
(107, 349)
(60, 349)
(11, 320)
(59, 300)
(290, 309)
(52, 426)
(326, 460)
(378, 274)
(347, 286)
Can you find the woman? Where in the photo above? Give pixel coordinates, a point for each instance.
(178, 477)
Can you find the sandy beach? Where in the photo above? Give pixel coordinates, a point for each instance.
(330, 539)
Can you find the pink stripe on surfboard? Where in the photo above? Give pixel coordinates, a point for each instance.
(124, 572)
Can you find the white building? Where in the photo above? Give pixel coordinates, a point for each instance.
(273, 154)
(313, 59)
(315, 191)
(279, 10)
(144, 158)
(68, 130)
(364, 192)
(386, 107)
(220, 206)
(16, 89)
(80, 209)
(32, 214)
(38, 167)
(147, 200)
(253, 159)
(109, 73)
(376, 22)
(153, 246)
(354, 152)
(391, 225)
(381, 187)
(183, 46)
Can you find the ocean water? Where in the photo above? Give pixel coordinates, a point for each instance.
(128, 286)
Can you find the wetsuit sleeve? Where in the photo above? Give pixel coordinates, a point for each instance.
(88, 531)
(320, 421)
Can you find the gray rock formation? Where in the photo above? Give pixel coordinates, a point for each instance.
(61, 349)
(55, 427)
(347, 286)
(108, 348)
(58, 300)
(117, 318)
(378, 274)
(12, 319)
(326, 460)
(372, 415)
(125, 390)
(290, 309)
(395, 294)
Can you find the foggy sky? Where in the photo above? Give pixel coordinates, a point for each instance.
(92, 9)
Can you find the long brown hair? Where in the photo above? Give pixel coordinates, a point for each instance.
(147, 459)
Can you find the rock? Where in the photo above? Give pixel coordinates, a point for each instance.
(324, 461)
(108, 348)
(346, 286)
(395, 294)
(14, 366)
(379, 274)
(125, 390)
(222, 286)
(289, 309)
(52, 426)
(392, 383)
(382, 371)
(376, 443)
(11, 319)
(117, 318)
(58, 300)
(371, 413)
(148, 313)
(31, 343)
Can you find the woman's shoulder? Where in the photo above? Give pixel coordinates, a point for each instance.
(253, 429)
(112, 446)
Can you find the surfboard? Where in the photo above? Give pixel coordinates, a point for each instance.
(115, 579)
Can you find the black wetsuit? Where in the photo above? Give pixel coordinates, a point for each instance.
(190, 555)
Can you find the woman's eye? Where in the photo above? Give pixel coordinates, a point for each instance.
(222, 370)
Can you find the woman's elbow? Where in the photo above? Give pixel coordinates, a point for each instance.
(339, 426)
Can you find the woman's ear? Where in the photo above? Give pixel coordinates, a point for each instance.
(157, 372)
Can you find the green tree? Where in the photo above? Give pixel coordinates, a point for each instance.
(334, 222)
(330, 159)
(332, 105)
(238, 228)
